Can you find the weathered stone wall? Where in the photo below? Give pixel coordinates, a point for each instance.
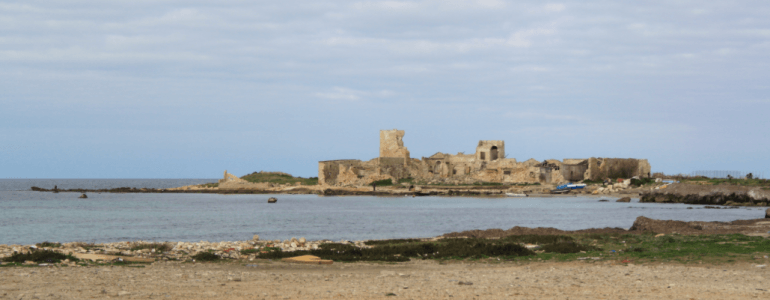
(334, 172)
(490, 150)
(574, 172)
(394, 167)
(601, 168)
(392, 144)
(230, 178)
(487, 164)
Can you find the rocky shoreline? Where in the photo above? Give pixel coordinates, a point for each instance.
(385, 191)
(730, 195)
(250, 250)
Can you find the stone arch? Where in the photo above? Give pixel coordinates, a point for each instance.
(493, 153)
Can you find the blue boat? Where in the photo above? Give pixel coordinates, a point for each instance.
(571, 186)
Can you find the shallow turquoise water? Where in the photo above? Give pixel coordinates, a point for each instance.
(29, 217)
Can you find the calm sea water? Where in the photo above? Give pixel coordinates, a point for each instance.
(28, 217)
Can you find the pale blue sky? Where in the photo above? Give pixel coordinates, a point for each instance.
(187, 89)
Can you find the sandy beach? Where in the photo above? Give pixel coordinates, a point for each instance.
(408, 280)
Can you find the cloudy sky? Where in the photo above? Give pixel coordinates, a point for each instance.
(187, 89)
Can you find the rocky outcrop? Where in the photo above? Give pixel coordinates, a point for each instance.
(643, 224)
(624, 199)
(709, 195)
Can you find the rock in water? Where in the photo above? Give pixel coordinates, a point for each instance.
(624, 199)
(83, 196)
(272, 200)
(255, 238)
(767, 214)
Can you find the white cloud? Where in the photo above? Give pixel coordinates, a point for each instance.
(554, 7)
(532, 115)
(386, 5)
(340, 93)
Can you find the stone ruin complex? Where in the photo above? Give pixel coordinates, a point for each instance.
(488, 164)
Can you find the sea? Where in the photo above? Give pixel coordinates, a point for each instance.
(28, 217)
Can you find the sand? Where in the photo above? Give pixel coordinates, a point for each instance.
(263, 279)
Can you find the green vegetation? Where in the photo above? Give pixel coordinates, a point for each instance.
(642, 181)
(625, 247)
(526, 183)
(39, 256)
(406, 180)
(478, 183)
(392, 242)
(734, 181)
(384, 182)
(206, 256)
(401, 251)
(279, 178)
(249, 251)
(48, 245)
(159, 247)
(210, 185)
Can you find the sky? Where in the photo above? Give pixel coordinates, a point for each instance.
(188, 89)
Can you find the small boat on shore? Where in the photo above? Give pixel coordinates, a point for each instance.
(571, 186)
(272, 200)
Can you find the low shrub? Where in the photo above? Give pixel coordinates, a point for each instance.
(40, 256)
(384, 182)
(391, 242)
(206, 256)
(567, 247)
(406, 180)
(249, 251)
(642, 181)
(48, 245)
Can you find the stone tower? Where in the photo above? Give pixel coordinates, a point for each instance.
(392, 144)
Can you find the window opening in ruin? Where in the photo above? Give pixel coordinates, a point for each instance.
(454, 172)
(483, 155)
(506, 172)
(493, 153)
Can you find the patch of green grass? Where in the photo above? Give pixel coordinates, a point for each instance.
(391, 242)
(642, 181)
(384, 182)
(159, 247)
(442, 249)
(568, 247)
(39, 256)
(278, 178)
(48, 245)
(206, 256)
(406, 180)
(478, 183)
(249, 251)
(210, 185)
(734, 181)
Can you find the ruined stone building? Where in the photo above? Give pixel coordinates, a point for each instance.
(488, 164)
